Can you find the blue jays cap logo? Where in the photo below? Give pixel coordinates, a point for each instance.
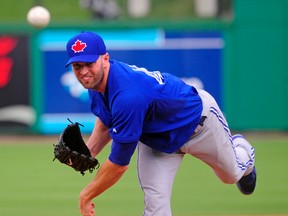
(79, 46)
(85, 47)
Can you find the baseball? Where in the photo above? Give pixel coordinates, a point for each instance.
(38, 17)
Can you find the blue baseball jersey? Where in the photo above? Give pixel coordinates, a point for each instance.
(158, 109)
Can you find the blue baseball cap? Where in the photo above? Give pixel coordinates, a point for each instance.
(85, 47)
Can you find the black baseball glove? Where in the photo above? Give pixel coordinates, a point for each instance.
(72, 150)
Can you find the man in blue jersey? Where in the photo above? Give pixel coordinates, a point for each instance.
(162, 117)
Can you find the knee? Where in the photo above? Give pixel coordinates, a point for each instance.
(230, 181)
(230, 178)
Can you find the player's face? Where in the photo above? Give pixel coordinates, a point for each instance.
(91, 74)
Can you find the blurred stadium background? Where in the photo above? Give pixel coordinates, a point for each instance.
(235, 49)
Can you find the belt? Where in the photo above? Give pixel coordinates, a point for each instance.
(200, 125)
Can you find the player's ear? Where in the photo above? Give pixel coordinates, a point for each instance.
(105, 59)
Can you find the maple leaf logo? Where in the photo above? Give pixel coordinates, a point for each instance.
(78, 46)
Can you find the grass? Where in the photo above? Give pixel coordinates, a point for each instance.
(31, 184)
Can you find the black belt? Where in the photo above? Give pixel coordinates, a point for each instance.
(200, 125)
(202, 119)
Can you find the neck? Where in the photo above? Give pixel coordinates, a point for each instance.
(103, 84)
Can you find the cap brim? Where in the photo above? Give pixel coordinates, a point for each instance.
(82, 58)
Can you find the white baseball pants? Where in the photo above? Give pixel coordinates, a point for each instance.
(229, 157)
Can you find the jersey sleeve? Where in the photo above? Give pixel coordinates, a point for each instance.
(121, 153)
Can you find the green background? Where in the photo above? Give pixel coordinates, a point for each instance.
(256, 73)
